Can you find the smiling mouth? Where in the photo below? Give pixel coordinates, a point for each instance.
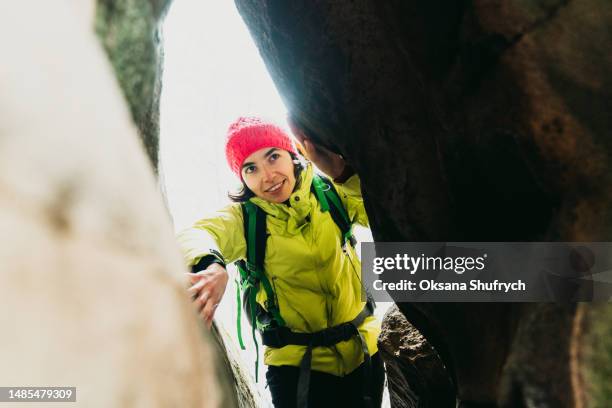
(275, 187)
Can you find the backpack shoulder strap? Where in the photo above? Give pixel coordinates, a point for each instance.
(252, 272)
(252, 276)
(329, 200)
(255, 234)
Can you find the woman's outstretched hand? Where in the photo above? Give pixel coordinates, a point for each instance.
(208, 287)
(327, 161)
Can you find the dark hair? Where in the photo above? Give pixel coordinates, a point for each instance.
(244, 194)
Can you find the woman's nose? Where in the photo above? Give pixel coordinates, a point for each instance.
(267, 173)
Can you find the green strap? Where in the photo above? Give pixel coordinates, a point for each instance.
(333, 197)
(252, 275)
(255, 265)
(253, 301)
(271, 304)
(252, 233)
(320, 186)
(239, 315)
(327, 194)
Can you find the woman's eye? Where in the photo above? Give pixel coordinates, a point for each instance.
(274, 156)
(249, 169)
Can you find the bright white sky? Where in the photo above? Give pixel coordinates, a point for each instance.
(213, 73)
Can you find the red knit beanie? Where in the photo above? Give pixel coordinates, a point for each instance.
(247, 135)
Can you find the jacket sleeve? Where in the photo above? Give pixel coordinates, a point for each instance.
(350, 194)
(223, 232)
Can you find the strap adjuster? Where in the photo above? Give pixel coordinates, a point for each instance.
(273, 338)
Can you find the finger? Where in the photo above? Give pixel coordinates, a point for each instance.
(209, 311)
(301, 150)
(321, 150)
(205, 311)
(198, 302)
(203, 299)
(195, 277)
(195, 295)
(299, 135)
(311, 150)
(197, 287)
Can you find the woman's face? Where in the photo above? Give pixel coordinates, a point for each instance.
(269, 173)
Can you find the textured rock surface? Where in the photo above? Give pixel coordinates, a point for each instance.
(415, 373)
(591, 355)
(130, 31)
(91, 286)
(244, 392)
(470, 121)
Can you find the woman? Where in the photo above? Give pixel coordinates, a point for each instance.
(313, 271)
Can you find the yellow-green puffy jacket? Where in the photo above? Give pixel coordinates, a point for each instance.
(317, 284)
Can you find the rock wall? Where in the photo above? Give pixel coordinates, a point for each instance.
(416, 376)
(467, 121)
(130, 31)
(91, 285)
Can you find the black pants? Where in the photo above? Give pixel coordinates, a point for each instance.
(327, 390)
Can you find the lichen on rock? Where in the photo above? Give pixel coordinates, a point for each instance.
(130, 32)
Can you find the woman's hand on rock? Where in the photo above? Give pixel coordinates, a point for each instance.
(208, 287)
(327, 161)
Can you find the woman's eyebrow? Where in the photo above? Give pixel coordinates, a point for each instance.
(269, 152)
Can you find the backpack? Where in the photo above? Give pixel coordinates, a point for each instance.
(268, 321)
(251, 269)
